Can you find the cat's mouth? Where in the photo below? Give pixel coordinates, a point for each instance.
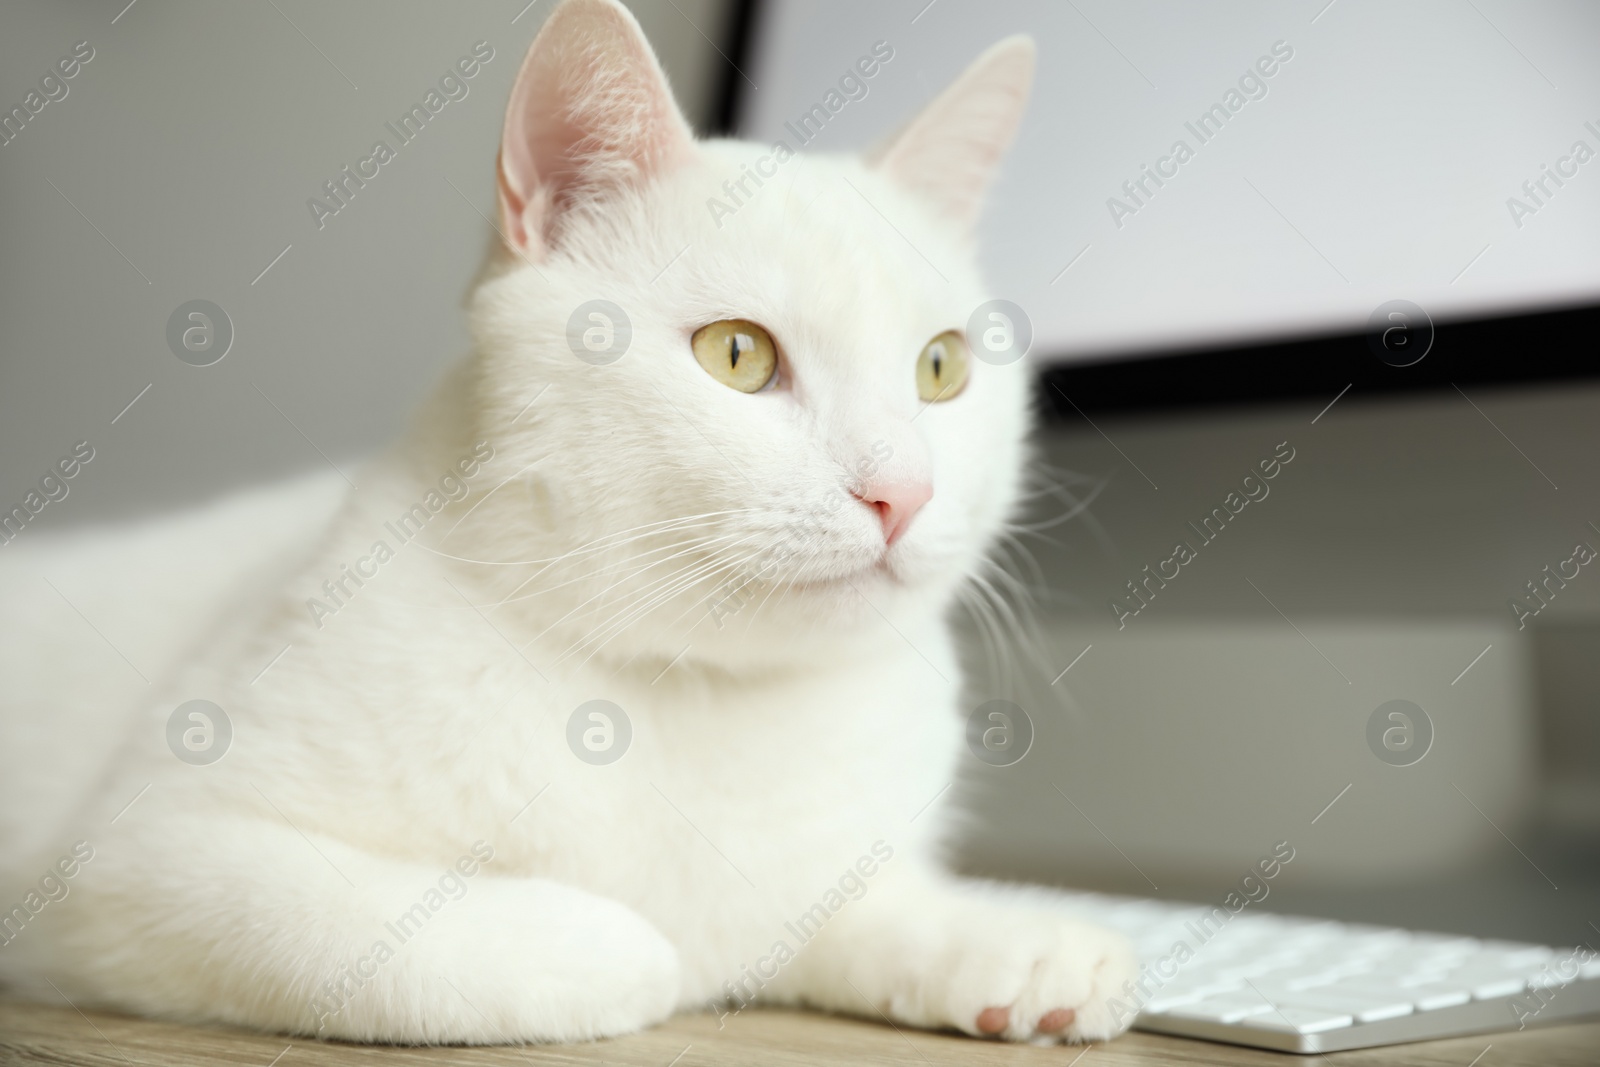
(880, 569)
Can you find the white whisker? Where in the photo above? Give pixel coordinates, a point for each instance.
(481, 500)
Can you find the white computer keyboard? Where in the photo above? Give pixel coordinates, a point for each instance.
(1312, 985)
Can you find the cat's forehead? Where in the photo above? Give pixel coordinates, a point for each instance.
(831, 253)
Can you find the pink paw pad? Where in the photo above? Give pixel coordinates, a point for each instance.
(1053, 1022)
(993, 1020)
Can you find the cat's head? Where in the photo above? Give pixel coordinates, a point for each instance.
(754, 422)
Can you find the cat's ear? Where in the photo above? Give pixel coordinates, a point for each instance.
(590, 111)
(950, 151)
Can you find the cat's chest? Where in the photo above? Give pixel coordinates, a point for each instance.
(721, 823)
(723, 791)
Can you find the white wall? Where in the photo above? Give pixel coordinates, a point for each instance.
(191, 143)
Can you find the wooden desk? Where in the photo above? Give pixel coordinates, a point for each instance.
(33, 1035)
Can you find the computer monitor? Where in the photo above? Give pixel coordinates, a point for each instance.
(1196, 175)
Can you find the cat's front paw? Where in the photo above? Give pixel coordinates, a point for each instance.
(1027, 976)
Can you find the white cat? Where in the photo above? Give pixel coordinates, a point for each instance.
(743, 532)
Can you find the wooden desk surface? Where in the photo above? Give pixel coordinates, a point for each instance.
(34, 1035)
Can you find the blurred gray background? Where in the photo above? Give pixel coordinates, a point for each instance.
(178, 167)
(1231, 713)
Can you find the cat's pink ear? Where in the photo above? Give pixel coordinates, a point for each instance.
(590, 111)
(950, 151)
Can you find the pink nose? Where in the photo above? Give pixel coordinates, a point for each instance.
(896, 503)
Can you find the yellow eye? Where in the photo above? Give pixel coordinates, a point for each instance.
(737, 353)
(942, 367)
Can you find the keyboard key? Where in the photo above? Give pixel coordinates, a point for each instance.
(1553, 978)
(1164, 1001)
(1424, 997)
(1250, 968)
(1517, 954)
(1500, 987)
(1223, 1009)
(1184, 991)
(1350, 967)
(1299, 1021)
(1487, 983)
(1446, 942)
(1407, 979)
(1568, 965)
(1367, 1008)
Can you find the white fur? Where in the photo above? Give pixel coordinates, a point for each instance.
(769, 754)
